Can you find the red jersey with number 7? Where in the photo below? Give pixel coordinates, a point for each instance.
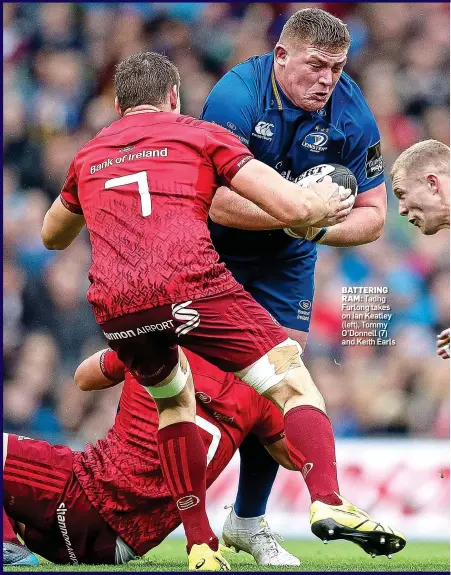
(145, 185)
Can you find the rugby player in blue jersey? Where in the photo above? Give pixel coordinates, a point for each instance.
(294, 108)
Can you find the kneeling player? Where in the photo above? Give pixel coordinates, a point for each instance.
(110, 503)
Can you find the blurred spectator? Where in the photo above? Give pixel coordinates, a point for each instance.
(59, 61)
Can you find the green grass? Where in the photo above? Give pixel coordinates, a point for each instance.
(315, 556)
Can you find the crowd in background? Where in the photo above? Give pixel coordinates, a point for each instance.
(59, 60)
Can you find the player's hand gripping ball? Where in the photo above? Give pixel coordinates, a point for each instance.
(339, 174)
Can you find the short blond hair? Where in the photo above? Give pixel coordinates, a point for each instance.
(317, 27)
(428, 153)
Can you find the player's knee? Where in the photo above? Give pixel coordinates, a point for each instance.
(274, 367)
(174, 383)
(297, 388)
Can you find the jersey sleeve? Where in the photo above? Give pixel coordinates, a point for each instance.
(111, 366)
(227, 154)
(362, 150)
(69, 193)
(232, 105)
(269, 427)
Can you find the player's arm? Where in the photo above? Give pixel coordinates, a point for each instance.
(363, 225)
(321, 204)
(278, 451)
(262, 199)
(64, 220)
(100, 371)
(61, 226)
(269, 430)
(231, 210)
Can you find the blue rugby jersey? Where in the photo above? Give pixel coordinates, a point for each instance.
(248, 102)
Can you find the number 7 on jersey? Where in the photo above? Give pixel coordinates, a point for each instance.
(139, 178)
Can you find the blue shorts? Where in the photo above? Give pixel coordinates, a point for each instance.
(285, 287)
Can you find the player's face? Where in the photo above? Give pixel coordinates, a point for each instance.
(420, 201)
(308, 75)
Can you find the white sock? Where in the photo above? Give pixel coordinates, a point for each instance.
(253, 524)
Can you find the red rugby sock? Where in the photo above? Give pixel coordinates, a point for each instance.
(184, 462)
(311, 445)
(8, 532)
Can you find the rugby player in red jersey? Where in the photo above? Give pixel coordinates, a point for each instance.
(144, 186)
(110, 502)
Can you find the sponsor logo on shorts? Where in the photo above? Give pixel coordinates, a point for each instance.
(140, 330)
(181, 312)
(203, 397)
(306, 469)
(304, 309)
(315, 142)
(187, 502)
(61, 518)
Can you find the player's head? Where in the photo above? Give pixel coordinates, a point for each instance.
(420, 179)
(147, 79)
(309, 57)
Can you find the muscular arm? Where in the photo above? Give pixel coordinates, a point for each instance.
(234, 211)
(97, 372)
(60, 227)
(363, 225)
(321, 204)
(365, 222)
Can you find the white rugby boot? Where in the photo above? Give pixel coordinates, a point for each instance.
(254, 536)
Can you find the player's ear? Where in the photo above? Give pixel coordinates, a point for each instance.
(280, 54)
(174, 99)
(433, 183)
(117, 107)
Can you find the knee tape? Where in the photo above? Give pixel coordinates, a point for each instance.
(174, 385)
(272, 368)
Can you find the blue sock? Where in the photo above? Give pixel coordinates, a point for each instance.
(258, 471)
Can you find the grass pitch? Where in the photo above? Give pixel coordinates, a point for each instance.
(315, 556)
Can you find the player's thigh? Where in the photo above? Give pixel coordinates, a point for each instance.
(35, 476)
(287, 291)
(145, 342)
(234, 331)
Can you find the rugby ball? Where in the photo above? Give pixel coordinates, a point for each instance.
(340, 175)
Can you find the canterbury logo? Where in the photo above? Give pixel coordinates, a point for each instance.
(264, 129)
(187, 502)
(306, 469)
(191, 317)
(200, 563)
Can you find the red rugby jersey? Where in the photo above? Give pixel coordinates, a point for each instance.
(121, 474)
(145, 185)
